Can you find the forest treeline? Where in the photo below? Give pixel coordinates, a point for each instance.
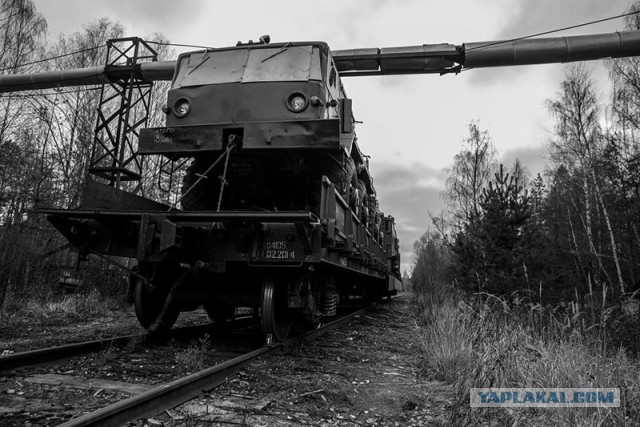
(559, 236)
(533, 281)
(46, 138)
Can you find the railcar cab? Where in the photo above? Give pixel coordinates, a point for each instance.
(285, 110)
(281, 95)
(220, 82)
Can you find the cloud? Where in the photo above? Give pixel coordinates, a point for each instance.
(498, 75)
(532, 158)
(393, 82)
(140, 17)
(162, 16)
(532, 17)
(408, 193)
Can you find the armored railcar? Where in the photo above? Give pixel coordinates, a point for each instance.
(279, 209)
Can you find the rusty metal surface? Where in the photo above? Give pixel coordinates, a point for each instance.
(190, 140)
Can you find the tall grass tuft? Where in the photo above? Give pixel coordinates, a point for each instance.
(449, 342)
(491, 342)
(194, 357)
(62, 308)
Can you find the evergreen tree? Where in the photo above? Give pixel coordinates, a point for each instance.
(505, 249)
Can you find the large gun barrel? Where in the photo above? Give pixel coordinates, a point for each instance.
(148, 71)
(551, 50)
(447, 58)
(428, 58)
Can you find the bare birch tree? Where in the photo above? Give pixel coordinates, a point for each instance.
(578, 147)
(470, 174)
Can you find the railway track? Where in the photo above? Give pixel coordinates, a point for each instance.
(52, 354)
(171, 394)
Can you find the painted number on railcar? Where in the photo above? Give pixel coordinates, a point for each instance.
(277, 250)
(163, 136)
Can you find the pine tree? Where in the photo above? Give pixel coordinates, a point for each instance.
(505, 249)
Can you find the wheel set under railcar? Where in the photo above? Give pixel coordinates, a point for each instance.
(294, 267)
(286, 299)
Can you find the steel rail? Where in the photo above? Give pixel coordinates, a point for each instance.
(51, 354)
(176, 392)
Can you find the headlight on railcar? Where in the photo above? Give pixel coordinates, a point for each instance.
(181, 107)
(296, 102)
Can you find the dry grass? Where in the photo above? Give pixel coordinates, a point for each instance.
(492, 343)
(195, 357)
(449, 348)
(62, 308)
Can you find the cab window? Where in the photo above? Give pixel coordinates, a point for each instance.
(287, 63)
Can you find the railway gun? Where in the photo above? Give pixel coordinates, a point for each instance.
(278, 209)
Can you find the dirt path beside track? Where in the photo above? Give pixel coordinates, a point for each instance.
(363, 374)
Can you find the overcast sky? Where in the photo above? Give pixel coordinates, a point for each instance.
(412, 125)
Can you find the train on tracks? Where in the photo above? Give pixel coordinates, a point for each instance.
(278, 209)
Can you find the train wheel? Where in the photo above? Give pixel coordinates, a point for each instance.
(148, 302)
(276, 317)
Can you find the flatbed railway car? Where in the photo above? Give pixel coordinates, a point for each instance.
(279, 211)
